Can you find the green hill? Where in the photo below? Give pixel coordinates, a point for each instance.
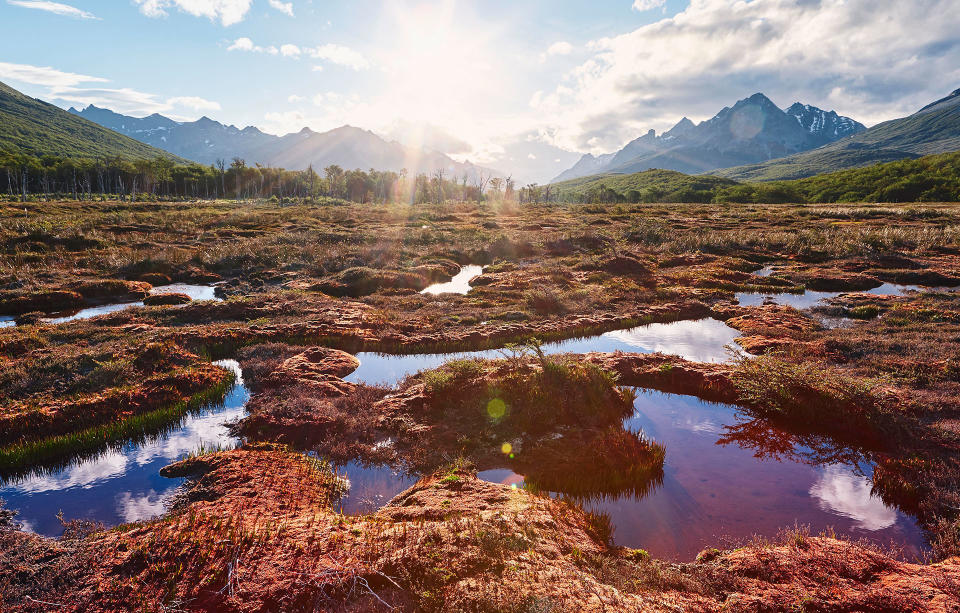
(933, 178)
(647, 186)
(33, 127)
(933, 129)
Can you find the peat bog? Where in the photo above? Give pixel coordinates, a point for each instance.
(603, 404)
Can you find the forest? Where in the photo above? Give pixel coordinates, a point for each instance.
(24, 177)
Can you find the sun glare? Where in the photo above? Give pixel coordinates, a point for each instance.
(439, 66)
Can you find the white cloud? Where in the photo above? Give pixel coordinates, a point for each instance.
(284, 7)
(646, 5)
(194, 103)
(294, 98)
(43, 75)
(245, 44)
(335, 54)
(68, 87)
(318, 100)
(865, 59)
(228, 12)
(289, 50)
(241, 44)
(132, 102)
(558, 48)
(53, 7)
(343, 56)
(844, 493)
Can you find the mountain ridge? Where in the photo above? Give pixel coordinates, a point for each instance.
(207, 140)
(753, 130)
(933, 129)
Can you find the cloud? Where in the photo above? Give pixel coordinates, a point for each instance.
(241, 44)
(132, 102)
(245, 44)
(194, 103)
(294, 98)
(867, 60)
(53, 7)
(335, 54)
(284, 7)
(558, 48)
(646, 5)
(68, 87)
(43, 75)
(839, 491)
(343, 56)
(228, 12)
(289, 50)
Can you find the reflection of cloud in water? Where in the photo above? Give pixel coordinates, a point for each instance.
(700, 341)
(137, 508)
(459, 284)
(847, 494)
(196, 292)
(196, 431)
(82, 474)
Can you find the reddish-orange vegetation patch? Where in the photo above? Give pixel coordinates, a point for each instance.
(166, 299)
(257, 534)
(21, 422)
(17, 302)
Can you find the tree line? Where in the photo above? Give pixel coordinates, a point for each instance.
(51, 177)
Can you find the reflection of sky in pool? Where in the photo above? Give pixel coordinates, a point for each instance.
(196, 292)
(711, 491)
(811, 298)
(459, 284)
(704, 340)
(122, 484)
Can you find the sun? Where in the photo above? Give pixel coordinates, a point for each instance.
(439, 64)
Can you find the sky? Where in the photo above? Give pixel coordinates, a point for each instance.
(521, 86)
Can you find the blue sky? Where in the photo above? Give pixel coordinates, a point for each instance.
(496, 81)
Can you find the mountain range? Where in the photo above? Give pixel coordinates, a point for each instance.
(206, 141)
(933, 129)
(753, 130)
(33, 127)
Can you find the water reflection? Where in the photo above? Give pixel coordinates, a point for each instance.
(92, 312)
(459, 284)
(846, 493)
(123, 483)
(7, 322)
(704, 340)
(196, 292)
(811, 298)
